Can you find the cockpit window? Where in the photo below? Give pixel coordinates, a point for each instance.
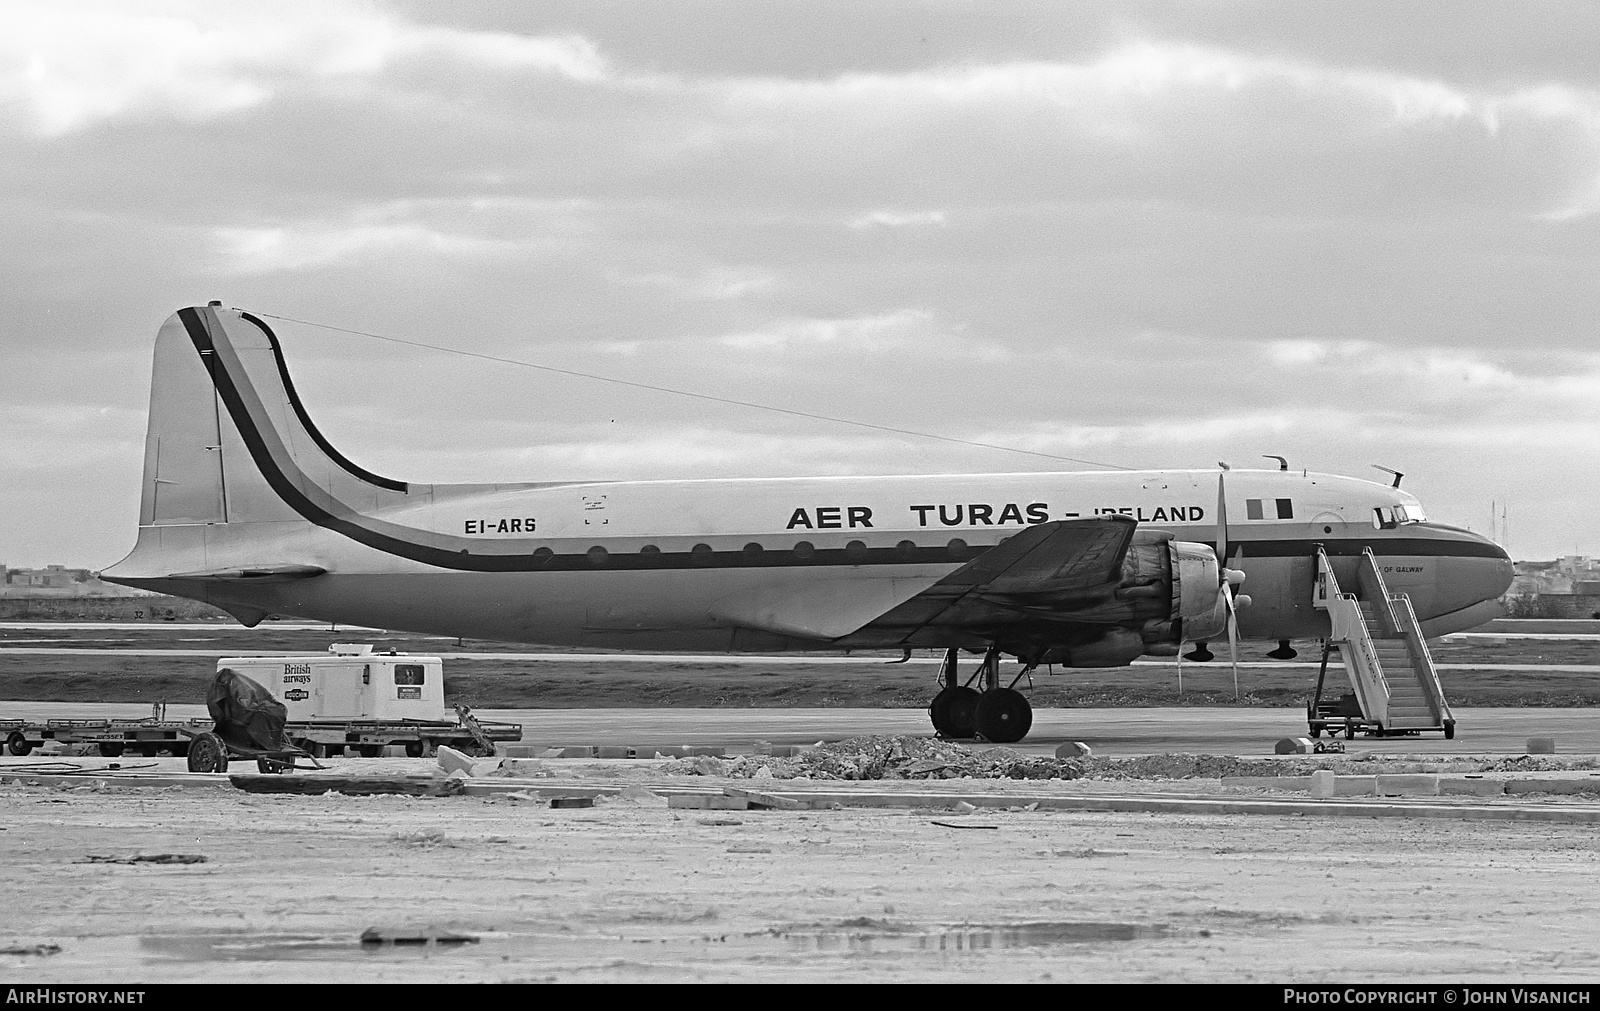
(1389, 517)
(1285, 509)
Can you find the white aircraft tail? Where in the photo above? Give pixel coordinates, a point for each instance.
(236, 476)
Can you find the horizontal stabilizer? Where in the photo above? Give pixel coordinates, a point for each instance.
(256, 573)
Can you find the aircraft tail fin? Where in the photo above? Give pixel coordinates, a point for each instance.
(234, 468)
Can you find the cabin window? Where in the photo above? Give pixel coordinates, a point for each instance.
(957, 549)
(856, 550)
(650, 549)
(907, 548)
(409, 674)
(752, 551)
(597, 555)
(804, 550)
(702, 554)
(1285, 509)
(1252, 509)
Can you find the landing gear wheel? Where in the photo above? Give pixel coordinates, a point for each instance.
(207, 753)
(1449, 730)
(413, 749)
(109, 749)
(16, 744)
(1004, 715)
(954, 712)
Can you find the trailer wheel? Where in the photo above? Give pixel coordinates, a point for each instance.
(413, 749)
(269, 767)
(110, 749)
(1316, 731)
(16, 744)
(1449, 730)
(207, 753)
(371, 750)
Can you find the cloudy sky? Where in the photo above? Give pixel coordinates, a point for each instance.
(1141, 234)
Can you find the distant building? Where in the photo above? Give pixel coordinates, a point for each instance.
(60, 581)
(1563, 575)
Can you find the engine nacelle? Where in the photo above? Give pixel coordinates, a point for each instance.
(1197, 599)
(1170, 593)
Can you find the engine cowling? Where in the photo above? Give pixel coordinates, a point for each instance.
(1170, 592)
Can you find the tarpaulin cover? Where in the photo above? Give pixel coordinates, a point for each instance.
(246, 714)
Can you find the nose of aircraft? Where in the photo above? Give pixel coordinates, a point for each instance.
(1473, 570)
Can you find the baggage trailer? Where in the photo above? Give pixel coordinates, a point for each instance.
(349, 700)
(366, 738)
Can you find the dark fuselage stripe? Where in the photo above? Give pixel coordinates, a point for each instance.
(306, 422)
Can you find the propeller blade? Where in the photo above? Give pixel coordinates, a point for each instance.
(1233, 637)
(1222, 523)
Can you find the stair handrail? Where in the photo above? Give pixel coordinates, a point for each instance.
(1421, 657)
(1377, 592)
(1355, 641)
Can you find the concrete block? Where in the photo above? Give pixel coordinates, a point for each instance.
(1355, 786)
(764, 801)
(550, 753)
(1073, 749)
(572, 802)
(1408, 785)
(1568, 786)
(578, 753)
(1293, 746)
(713, 752)
(451, 760)
(523, 766)
(610, 752)
(1541, 745)
(394, 751)
(728, 803)
(1324, 783)
(697, 801)
(518, 750)
(1472, 787)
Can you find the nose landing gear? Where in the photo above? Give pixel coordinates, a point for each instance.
(1000, 715)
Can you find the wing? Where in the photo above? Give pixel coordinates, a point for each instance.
(1046, 570)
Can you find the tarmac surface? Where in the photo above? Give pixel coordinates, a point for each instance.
(1109, 732)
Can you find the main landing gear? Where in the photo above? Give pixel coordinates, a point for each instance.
(1284, 651)
(1000, 715)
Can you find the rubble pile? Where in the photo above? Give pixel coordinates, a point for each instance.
(887, 757)
(912, 757)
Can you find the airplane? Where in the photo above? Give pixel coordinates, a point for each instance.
(246, 505)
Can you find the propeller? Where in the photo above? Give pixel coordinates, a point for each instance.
(1230, 579)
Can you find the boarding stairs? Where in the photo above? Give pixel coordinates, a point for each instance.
(1380, 643)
